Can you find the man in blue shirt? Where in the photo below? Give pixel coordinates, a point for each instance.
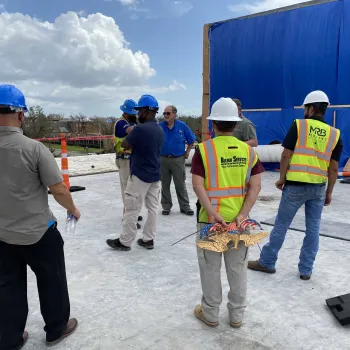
(122, 128)
(145, 140)
(173, 156)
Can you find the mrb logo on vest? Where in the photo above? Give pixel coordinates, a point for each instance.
(318, 133)
(233, 162)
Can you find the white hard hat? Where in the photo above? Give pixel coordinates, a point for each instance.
(316, 97)
(225, 110)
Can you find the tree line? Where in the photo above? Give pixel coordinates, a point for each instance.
(38, 124)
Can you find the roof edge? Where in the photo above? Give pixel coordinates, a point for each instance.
(280, 9)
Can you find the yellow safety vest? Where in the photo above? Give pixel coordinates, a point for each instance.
(312, 153)
(228, 163)
(119, 150)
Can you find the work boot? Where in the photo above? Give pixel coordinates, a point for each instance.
(188, 212)
(139, 218)
(138, 226)
(148, 245)
(255, 266)
(236, 324)
(305, 277)
(115, 244)
(198, 312)
(24, 341)
(72, 325)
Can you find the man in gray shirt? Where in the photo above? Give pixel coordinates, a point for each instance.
(245, 129)
(28, 230)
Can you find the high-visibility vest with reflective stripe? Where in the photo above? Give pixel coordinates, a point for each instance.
(313, 151)
(118, 140)
(228, 163)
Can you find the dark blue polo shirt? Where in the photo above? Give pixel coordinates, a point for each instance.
(146, 140)
(175, 139)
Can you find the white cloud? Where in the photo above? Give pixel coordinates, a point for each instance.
(128, 2)
(180, 8)
(260, 6)
(74, 63)
(82, 13)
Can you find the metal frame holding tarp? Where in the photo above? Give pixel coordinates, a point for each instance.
(271, 60)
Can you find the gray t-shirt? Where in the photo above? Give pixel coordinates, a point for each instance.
(27, 169)
(245, 130)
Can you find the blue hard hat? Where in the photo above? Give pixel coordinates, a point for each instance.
(147, 101)
(128, 107)
(12, 97)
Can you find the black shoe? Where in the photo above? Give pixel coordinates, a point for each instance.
(115, 244)
(139, 218)
(305, 277)
(148, 245)
(189, 212)
(138, 226)
(166, 212)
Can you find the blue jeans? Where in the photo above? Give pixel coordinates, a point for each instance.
(293, 197)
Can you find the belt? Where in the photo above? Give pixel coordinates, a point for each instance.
(172, 157)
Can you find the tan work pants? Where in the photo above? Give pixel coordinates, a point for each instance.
(236, 262)
(136, 193)
(124, 173)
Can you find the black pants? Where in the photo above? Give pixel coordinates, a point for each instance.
(46, 259)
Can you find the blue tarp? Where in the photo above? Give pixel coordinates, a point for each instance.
(275, 60)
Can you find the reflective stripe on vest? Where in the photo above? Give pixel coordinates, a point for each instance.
(214, 190)
(216, 157)
(313, 151)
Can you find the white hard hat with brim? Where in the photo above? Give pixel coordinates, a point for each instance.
(225, 110)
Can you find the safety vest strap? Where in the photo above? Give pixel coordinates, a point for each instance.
(304, 151)
(229, 192)
(210, 154)
(252, 157)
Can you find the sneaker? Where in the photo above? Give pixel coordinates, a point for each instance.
(24, 341)
(115, 244)
(305, 277)
(140, 218)
(198, 312)
(148, 245)
(255, 266)
(72, 325)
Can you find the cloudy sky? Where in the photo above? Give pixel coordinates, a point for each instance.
(72, 56)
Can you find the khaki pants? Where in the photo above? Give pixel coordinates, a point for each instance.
(124, 173)
(136, 193)
(210, 271)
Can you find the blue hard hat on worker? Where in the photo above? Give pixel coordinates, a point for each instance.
(147, 101)
(128, 107)
(12, 97)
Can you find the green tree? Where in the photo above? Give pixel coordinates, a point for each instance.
(37, 124)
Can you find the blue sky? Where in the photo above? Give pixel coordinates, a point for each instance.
(61, 63)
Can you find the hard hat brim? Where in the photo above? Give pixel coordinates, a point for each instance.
(128, 111)
(224, 119)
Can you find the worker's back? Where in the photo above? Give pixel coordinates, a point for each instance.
(25, 173)
(146, 140)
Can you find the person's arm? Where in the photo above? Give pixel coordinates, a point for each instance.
(250, 198)
(64, 198)
(332, 179)
(198, 188)
(50, 176)
(131, 140)
(250, 135)
(190, 139)
(284, 165)
(289, 146)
